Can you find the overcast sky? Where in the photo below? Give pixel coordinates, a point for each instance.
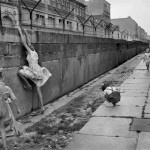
(139, 10)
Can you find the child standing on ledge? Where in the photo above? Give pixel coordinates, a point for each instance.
(112, 94)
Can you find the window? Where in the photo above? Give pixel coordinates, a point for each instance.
(63, 4)
(58, 4)
(43, 1)
(79, 11)
(118, 35)
(69, 25)
(77, 27)
(67, 5)
(76, 9)
(71, 6)
(60, 23)
(53, 3)
(51, 21)
(40, 20)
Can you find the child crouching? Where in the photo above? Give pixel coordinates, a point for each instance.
(112, 94)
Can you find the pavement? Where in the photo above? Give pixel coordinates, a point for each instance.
(124, 127)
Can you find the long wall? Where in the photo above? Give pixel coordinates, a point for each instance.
(73, 61)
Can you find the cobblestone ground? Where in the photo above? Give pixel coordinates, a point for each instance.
(56, 130)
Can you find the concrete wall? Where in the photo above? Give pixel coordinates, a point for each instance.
(73, 61)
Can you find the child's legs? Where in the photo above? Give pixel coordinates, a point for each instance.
(147, 65)
(40, 96)
(25, 81)
(3, 134)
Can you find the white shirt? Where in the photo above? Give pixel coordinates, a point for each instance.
(146, 57)
(109, 90)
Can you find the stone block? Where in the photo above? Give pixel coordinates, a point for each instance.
(118, 111)
(11, 61)
(97, 63)
(137, 81)
(10, 35)
(4, 48)
(67, 79)
(90, 60)
(1, 61)
(92, 142)
(143, 141)
(134, 94)
(80, 71)
(107, 126)
(140, 124)
(147, 107)
(132, 101)
(51, 89)
(14, 49)
(47, 37)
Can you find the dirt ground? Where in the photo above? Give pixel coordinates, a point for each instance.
(56, 130)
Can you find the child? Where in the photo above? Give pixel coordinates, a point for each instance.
(6, 116)
(146, 58)
(111, 94)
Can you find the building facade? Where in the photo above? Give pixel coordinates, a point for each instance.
(131, 28)
(142, 34)
(127, 25)
(100, 10)
(53, 14)
(99, 7)
(90, 18)
(9, 13)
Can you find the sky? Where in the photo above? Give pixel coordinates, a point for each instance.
(139, 10)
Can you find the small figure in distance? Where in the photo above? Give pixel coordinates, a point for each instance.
(146, 58)
(111, 94)
(34, 72)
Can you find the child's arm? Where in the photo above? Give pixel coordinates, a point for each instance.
(144, 57)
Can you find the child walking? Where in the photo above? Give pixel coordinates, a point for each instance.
(112, 94)
(146, 58)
